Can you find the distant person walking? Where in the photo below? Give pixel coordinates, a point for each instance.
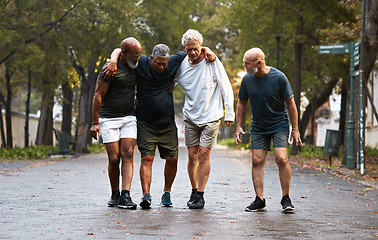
(271, 98)
(204, 84)
(113, 115)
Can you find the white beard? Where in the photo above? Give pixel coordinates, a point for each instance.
(132, 65)
(251, 71)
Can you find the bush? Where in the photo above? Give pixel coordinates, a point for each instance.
(33, 152)
(230, 142)
(96, 147)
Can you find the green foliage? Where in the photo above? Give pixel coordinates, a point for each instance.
(371, 151)
(230, 142)
(96, 147)
(310, 151)
(30, 153)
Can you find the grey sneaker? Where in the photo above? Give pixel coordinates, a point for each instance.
(146, 201)
(287, 207)
(166, 199)
(256, 206)
(113, 202)
(125, 202)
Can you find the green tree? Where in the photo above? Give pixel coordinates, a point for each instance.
(300, 25)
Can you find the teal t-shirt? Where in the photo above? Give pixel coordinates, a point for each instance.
(118, 101)
(267, 96)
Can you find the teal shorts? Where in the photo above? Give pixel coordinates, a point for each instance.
(264, 141)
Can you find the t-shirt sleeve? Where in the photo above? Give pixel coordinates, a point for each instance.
(178, 57)
(102, 77)
(243, 95)
(287, 92)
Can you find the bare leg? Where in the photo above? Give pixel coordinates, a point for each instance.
(258, 162)
(203, 168)
(127, 168)
(145, 172)
(193, 166)
(112, 150)
(170, 171)
(284, 169)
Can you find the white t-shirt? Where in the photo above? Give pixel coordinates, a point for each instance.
(204, 85)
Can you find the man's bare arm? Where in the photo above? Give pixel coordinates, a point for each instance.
(101, 89)
(111, 68)
(240, 114)
(293, 114)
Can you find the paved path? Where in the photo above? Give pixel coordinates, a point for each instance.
(66, 199)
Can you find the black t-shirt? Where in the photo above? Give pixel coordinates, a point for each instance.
(155, 99)
(118, 101)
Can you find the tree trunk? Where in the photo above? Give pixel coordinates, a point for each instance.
(317, 101)
(27, 111)
(298, 47)
(2, 102)
(45, 124)
(88, 84)
(67, 108)
(370, 45)
(8, 109)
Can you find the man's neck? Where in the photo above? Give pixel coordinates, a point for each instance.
(197, 60)
(265, 70)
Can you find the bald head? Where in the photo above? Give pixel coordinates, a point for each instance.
(255, 53)
(254, 61)
(131, 49)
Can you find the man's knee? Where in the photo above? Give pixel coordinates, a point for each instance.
(148, 159)
(114, 160)
(171, 160)
(281, 160)
(258, 161)
(127, 154)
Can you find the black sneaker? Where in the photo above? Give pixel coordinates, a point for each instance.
(287, 207)
(198, 202)
(146, 201)
(126, 202)
(257, 205)
(166, 199)
(191, 199)
(113, 202)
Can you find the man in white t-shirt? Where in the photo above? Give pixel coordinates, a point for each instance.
(204, 84)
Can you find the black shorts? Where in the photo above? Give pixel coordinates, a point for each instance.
(162, 135)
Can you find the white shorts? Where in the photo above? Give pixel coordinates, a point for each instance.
(113, 129)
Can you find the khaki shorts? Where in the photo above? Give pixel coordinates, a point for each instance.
(204, 135)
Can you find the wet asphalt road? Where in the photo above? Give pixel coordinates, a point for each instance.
(67, 199)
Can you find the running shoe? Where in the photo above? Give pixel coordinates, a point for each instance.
(146, 201)
(256, 206)
(125, 202)
(287, 207)
(113, 202)
(166, 199)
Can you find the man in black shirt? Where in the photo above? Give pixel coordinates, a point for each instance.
(113, 115)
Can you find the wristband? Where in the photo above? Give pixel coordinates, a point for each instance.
(95, 123)
(295, 129)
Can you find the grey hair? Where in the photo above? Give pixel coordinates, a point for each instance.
(160, 50)
(191, 34)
